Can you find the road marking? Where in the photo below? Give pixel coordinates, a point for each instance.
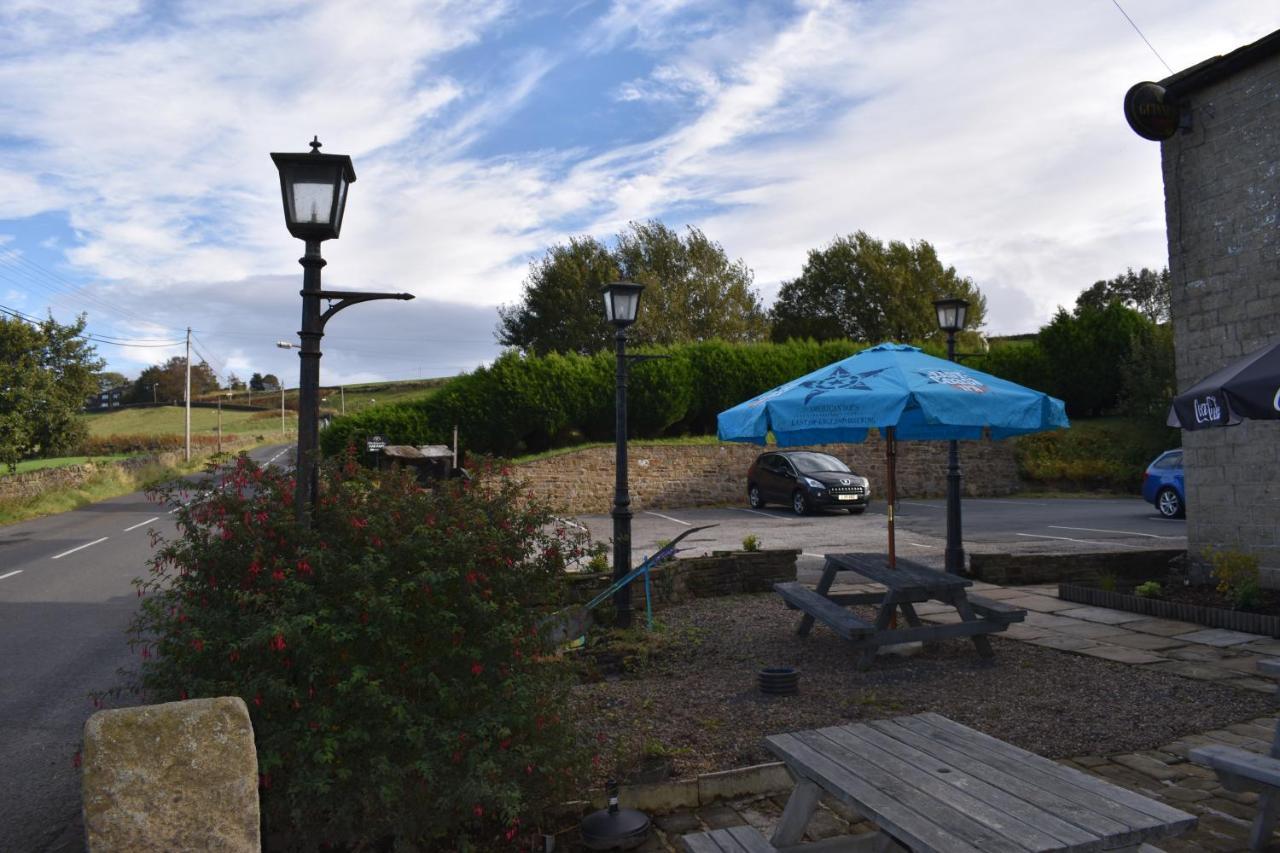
(668, 518)
(922, 545)
(927, 506)
(10, 574)
(568, 522)
(1081, 541)
(278, 455)
(1027, 503)
(1101, 530)
(80, 548)
(807, 554)
(140, 523)
(765, 514)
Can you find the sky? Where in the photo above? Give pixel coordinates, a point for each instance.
(136, 186)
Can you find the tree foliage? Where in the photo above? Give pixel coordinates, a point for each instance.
(47, 370)
(1148, 292)
(862, 289)
(1087, 350)
(692, 292)
(168, 382)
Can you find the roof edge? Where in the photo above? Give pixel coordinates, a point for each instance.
(1220, 67)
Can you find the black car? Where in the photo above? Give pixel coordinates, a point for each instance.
(805, 481)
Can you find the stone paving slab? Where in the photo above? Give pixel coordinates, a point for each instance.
(1062, 642)
(1190, 669)
(1149, 642)
(1268, 647)
(1101, 614)
(1040, 603)
(1163, 627)
(1091, 630)
(1047, 620)
(1217, 637)
(1121, 654)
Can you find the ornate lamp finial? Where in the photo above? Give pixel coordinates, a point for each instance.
(315, 144)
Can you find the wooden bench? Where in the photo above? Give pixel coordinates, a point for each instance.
(826, 611)
(1241, 770)
(997, 611)
(747, 839)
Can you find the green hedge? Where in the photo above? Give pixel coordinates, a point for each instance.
(523, 404)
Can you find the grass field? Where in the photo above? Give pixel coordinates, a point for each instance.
(357, 397)
(60, 462)
(169, 420)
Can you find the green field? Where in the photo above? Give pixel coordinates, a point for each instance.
(357, 397)
(169, 420)
(60, 462)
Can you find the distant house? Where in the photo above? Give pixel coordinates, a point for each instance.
(1221, 164)
(104, 400)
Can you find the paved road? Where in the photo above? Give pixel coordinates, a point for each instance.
(989, 524)
(65, 600)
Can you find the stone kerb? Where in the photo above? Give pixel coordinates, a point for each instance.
(175, 776)
(670, 475)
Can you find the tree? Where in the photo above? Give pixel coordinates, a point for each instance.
(1086, 351)
(108, 379)
(255, 382)
(1146, 291)
(1148, 381)
(168, 381)
(47, 370)
(861, 289)
(692, 292)
(234, 383)
(271, 382)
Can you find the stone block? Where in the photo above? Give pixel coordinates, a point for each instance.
(176, 776)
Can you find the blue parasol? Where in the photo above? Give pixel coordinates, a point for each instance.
(899, 390)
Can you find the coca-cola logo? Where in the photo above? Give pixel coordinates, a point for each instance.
(1207, 410)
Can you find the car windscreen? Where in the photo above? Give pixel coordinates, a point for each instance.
(812, 463)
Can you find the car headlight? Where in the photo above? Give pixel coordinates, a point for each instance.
(813, 484)
(866, 487)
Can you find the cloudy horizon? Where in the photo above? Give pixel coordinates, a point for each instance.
(135, 182)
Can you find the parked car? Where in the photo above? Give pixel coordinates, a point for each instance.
(1162, 485)
(806, 481)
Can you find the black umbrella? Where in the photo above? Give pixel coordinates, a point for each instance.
(1248, 388)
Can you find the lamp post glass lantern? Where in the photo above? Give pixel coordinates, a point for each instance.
(951, 319)
(621, 306)
(313, 189)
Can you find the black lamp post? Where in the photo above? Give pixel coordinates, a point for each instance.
(313, 187)
(621, 304)
(951, 317)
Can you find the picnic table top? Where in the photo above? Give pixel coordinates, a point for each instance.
(936, 785)
(906, 575)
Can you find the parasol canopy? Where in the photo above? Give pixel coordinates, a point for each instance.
(1248, 388)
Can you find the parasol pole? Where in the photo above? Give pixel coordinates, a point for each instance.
(891, 464)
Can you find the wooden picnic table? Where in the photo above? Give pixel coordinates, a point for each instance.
(907, 584)
(931, 784)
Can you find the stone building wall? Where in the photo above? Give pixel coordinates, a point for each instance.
(1222, 207)
(664, 475)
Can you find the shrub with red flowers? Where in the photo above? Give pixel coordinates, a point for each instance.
(393, 654)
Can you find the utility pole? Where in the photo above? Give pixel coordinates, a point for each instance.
(188, 417)
(219, 424)
(342, 389)
(282, 408)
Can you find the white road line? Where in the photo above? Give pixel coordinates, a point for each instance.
(277, 456)
(1101, 530)
(1081, 541)
(10, 574)
(926, 506)
(569, 522)
(807, 554)
(79, 548)
(140, 523)
(1025, 503)
(765, 514)
(922, 545)
(668, 518)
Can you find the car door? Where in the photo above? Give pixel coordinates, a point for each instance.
(784, 479)
(770, 478)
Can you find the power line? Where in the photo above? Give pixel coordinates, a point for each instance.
(1139, 32)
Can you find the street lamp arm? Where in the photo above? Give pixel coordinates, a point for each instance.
(352, 297)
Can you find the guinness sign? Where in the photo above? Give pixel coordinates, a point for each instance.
(1150, 113)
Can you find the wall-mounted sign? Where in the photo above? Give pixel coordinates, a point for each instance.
(375, 443)
(1150, 113)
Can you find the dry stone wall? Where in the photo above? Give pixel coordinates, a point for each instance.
(667, 475)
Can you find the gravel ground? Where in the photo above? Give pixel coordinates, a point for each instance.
(695, 699)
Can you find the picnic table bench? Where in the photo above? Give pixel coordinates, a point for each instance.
(932, 785)
(906, 585)
(1241, 770)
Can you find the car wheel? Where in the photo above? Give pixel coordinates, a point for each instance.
(1169, 504)
(753, 496)
(857, 510)
(799, 503)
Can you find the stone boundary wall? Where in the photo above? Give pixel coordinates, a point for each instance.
(686, 578)
(35, 483)
(670, 475)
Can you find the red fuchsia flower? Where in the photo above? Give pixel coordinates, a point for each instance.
(364, 617)
(456, 758)
(539, 722)
(183, 695)
(504, 744)
(359, 523)
(313, 725)
(477, 810)
(528, 770)
(257, 699)
(477, 668)
(304, 567)
(277, 643)
(146, 653)
(233, 655)
(75, 759)
(297, 706)
(198, 645)
(278, 575)
(375, 541)
(472, 577)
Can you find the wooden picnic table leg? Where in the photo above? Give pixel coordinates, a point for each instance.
(909, 613)
(795, 816)
(980, 641)
(871, 644)
(829, 570)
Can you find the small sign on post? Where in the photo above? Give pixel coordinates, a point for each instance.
(374, 443)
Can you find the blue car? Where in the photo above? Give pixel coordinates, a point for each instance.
(1162, 485)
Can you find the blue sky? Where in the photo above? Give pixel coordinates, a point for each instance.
(135, 182)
